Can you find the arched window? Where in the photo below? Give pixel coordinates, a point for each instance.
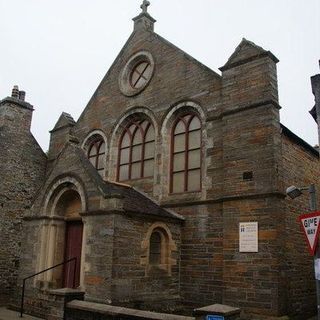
(155, 249)
(159, 252)
(136, 151)
(96, 154)
(186, 154)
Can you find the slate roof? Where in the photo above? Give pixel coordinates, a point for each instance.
(298, 140)
(134, 200)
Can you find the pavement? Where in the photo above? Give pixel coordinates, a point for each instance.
(6, 314)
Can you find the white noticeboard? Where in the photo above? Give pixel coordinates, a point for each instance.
(248, 237)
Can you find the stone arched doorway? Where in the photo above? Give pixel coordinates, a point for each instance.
(62, 235)
(69, 207)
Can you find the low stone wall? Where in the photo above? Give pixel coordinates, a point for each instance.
(83, 310)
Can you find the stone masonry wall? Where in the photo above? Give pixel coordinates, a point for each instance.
(241, 133)
(22, 167)
(36, 299)
(135, 279)
(165, 90)
(252, 281)
(99, 242)
(251, 153)
(116, 267)
(300, 168)
(201, 255)
(242, 179)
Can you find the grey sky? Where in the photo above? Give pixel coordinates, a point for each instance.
(59, 50)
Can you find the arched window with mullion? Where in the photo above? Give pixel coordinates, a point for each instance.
(136, 151)
(96, 154)
(186, 154)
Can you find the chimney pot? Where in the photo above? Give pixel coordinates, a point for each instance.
(15, 92)
(22, 95)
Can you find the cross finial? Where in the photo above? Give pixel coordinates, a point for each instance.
(144, 6)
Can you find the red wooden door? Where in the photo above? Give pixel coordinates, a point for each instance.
(73, 248)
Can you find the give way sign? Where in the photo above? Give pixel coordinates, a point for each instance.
(310, 223)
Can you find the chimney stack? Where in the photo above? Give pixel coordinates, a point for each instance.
(15, 113)
(15, 92)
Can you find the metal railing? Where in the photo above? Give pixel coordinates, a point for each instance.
(36, 274)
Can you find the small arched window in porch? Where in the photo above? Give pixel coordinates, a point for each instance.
(158, 247)
(155, 249)
(186, 154)
(96, 154)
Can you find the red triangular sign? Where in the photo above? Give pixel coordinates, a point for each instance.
(311, 226)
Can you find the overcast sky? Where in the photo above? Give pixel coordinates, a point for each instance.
(59, 50)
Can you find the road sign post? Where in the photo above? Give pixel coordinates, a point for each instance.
(310, 224)
(313, 207)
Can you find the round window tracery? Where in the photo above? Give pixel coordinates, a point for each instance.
(136, 74)
(140, 75)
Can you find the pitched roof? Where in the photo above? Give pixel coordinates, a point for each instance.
(134, 200)
(299, 141)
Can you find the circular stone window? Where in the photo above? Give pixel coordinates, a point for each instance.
(137, 73)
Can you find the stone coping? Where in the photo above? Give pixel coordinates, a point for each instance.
(67, 292)
(120, 311)
(23, 104)
(218, 309)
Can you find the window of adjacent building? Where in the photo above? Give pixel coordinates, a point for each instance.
(140, 75)
(136, 151)
(96, 154)
(186, 154)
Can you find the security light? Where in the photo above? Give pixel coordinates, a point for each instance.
(293, 192)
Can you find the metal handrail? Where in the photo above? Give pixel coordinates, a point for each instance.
(57, 265)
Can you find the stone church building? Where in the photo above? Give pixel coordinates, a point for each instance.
(148, 188)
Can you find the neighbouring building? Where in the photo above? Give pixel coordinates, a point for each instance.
(148, 188)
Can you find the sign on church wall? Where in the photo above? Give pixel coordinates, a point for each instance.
(248, 237)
